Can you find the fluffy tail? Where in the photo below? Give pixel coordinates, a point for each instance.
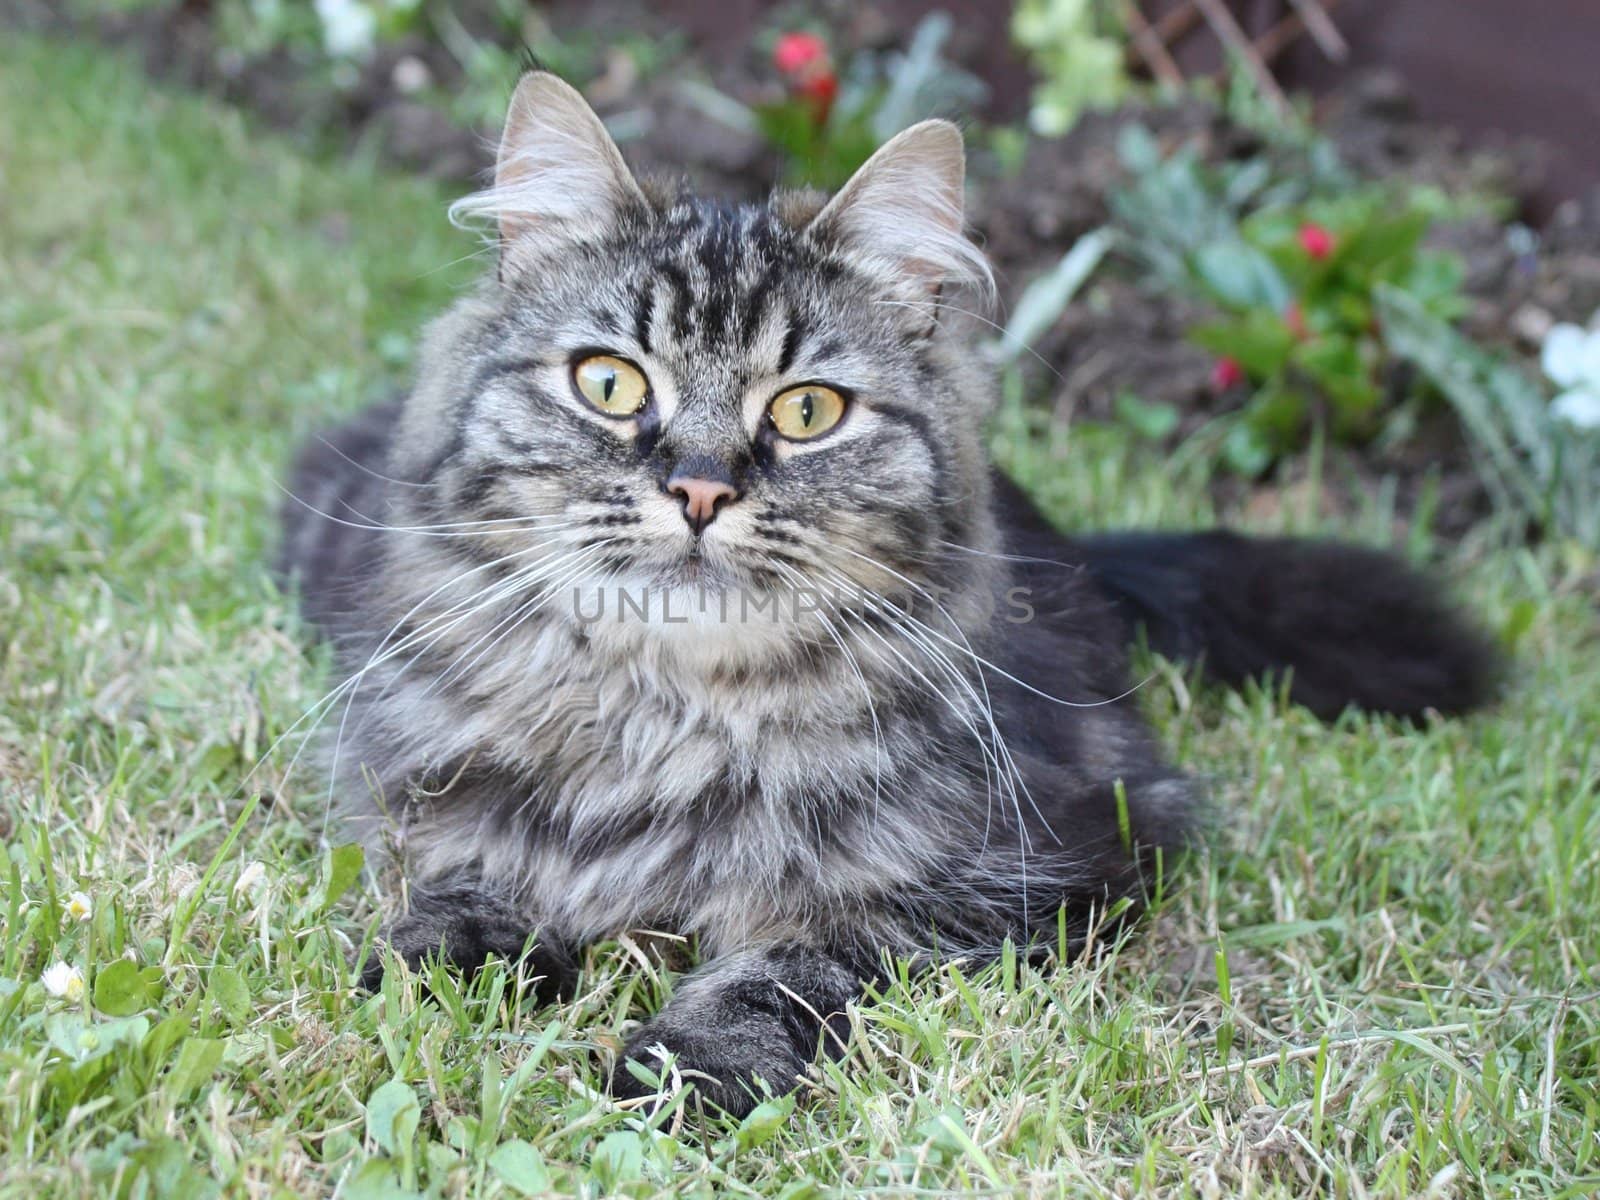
(1349, 625)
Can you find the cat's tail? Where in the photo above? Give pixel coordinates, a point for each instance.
(1346, 624)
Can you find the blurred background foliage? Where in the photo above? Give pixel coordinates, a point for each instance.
(1207, 265)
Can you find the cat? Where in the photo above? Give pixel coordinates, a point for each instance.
(680, 594)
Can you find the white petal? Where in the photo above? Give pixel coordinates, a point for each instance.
(349, 27)
(59, 979)
(1589, 361)
(410, 75)
(1579, 407)
(1563, 354)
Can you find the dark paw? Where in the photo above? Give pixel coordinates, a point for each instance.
(729, 1074)
(464, 930)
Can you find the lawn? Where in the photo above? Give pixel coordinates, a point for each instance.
(1378, 980)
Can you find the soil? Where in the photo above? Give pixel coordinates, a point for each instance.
(1117, 337)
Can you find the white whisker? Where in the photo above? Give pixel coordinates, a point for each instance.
(984, 662)
(534, 523)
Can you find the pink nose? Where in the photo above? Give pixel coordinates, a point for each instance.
(701, 498)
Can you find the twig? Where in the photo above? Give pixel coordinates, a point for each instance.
(1150, 46)
(1322, 29)
(1227, 28)
(1172, 25)
(1282, 35)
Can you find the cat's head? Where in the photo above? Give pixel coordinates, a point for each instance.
(665, 392)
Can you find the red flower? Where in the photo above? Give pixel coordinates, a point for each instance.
(820, 88)
(1226, 373)
(1316, 241)
(794, 52)
(803, 59)
(1295, 319)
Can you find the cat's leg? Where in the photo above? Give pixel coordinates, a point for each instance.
(465, 923)
(760, 1013)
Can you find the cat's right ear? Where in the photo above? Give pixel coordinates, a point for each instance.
(558, 176)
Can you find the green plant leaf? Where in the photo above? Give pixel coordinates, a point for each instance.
(392, 1116)
(198, 1060)
(228, 991)
(1245, 451)
(1347, 310)
(123, 988)
(1137, 149)
(343, 867)
(1152, 421)
(520, 1167)
(82, 1041)
(1336, 366)
(1274, 228)
(375, 1179)
(1277, 415)
(158, 1043)
(1044, 299)
(1528, 463)
(1241, 277)
(619, 1158)
(1259, 341)
(1381, 238)
(1436, 281)
(763, 1122)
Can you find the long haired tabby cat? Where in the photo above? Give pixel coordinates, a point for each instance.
(681, 595)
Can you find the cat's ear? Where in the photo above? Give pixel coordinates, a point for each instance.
(558, 173)
(900, 216)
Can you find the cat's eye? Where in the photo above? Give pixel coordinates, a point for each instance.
(613, 385)
(806, 412)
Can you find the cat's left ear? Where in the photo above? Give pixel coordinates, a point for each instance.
(558, 176)
(900, 216)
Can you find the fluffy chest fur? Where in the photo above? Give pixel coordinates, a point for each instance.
(619, 769)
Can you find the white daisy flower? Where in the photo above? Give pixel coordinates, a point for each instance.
(63, 980)
(78, 907)
(349, 28)
(1571, 359)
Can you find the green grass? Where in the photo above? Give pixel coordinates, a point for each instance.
(1378, 981)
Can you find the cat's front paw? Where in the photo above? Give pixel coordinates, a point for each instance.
(465, 927)
(731, 1073)
(743, 1026)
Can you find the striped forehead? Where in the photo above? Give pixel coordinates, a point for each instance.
(714, 272)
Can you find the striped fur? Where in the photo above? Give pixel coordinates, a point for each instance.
(905, 768)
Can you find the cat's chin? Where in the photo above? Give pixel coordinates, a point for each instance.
(694, 571)
(713, 565)
(700, 613)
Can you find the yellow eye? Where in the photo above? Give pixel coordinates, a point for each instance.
(614, 386)
(805, 412)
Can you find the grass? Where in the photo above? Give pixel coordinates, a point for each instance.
(1378, 980)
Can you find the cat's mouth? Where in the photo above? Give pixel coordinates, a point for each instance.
(694, 570)
(708, 565)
